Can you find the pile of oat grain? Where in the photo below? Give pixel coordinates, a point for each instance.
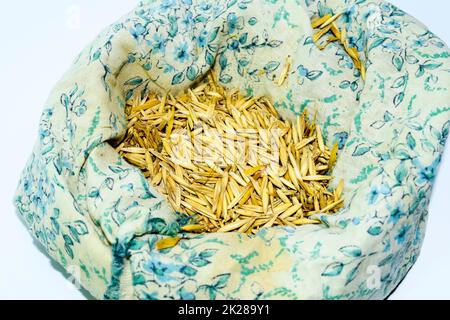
(229, 161)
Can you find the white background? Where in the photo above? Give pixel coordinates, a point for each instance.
(38, 41)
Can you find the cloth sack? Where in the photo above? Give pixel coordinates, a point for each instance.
(96, 213)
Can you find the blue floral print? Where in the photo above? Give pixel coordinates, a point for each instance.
(182, 52)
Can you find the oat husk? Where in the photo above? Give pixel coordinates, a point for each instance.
(327, 25)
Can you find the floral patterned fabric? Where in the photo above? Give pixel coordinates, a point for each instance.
(92, 210)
